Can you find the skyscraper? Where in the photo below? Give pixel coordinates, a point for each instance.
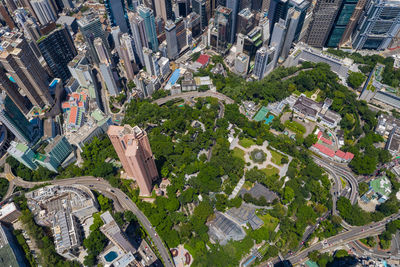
(91, 28)
(234, 6)
(324, 15)
(11, 89)
(379, 24)
(292, 22)
(134, 151)
(150, 27)
(150, 62)
(22, 65)
(139, 34)
(58, 50)
(128, 55)
(44, 11)
(117, 14)
(172, 42)
(245, 21)
(6, 17)
(164, 9)
(353, 22)
(183, 8)
(108, 77)
(277, 10)
(199, 7)
(302, 6)
(15, 121)
(102, 52)
(341, 21)
(264, 57)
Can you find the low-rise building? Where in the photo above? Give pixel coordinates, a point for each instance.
(9, 213)
(222, 229)
(379, 189)
(66, 234)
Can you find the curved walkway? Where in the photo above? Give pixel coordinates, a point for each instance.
(194, 94)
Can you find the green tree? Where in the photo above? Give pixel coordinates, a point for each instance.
(105, 203)
(355, 79)
(288, 194)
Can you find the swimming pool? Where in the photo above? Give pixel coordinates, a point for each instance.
(269, 119)
(110, 256)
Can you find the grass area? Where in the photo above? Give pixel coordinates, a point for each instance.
(276, 157)
(247, 185)
(270, 222)
(307, 93)
(246, 142)
(237, 152)
(270, 170)
(343, 182)
(295, 127)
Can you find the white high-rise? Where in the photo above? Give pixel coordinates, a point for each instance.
(44, 11)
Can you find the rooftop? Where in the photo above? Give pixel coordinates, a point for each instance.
(381, 186)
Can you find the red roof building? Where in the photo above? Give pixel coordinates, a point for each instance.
(323, 139)
(324, 150)
(203, 60)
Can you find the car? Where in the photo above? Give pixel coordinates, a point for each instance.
(126, 197)
(90, 185)
(155, 234)
(98, 179)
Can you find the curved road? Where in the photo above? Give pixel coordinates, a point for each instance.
(124, 201)
(194, 94)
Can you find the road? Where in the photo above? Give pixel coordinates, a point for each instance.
(341, 239)
(117, 195)
(194, 94)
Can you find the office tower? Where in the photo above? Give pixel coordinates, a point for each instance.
(278, 37)
(181, 34)
(11, 6)
(324, 15)
(223, 22)
(58, 50)
(302, 6)
(193, 23)
(277, 10)
(351, 25)
(199, 7)
(44, 11)
(292, 22)
(264, 24)
(183, 7)
(160, 24)
(379, 24)
(139, 34)
(150, 4)
(234, 6)
(134, 151)
(260, 5)
(11, 89)
(117, 14)
(164, 9)
(91, 28)
(150, 27)
(22, 65)
(342, 19)
(102, 52)
(241, 64)
(68, 4)
(150, 62)
(59, 149)
(23, 154)
(263, 63)
(245, 21)
(15, 121)
(128, 55)
(6, 17)
(108, 77)
(172, 42)
(81, 70)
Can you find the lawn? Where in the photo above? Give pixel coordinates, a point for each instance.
(276, 157)
(246, 142)
(307, 93)
(237, 152)
(295, 127)
(270, 170)
(269, 222)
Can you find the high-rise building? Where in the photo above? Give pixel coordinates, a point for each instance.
(164, 9)
(246, 21)
(277, 39)
(324, 15)
(241, 64)
(91, 28)
(183, 8)
(11, 89)
(199, 7)
(139, 34)
(15, 121)
(379, 24)
(25, 69)
(193, 23)
(11, 5)
(351, 25)
(150, 27)
(116, 34)
(263, 57)
(117, 14)
(59, 149)
(150, 62)
(234, 6)
(108, 77)
(342, 20)
(6, 17)
(277, 10)
(81, 70)
(223, 23)
(172, 42)
(101, 51)
(292, 22)
(134, 151)
(128, 55)
(302, 6)
(58, 50)
(44, 11)
(265, 30)
(23, 154)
